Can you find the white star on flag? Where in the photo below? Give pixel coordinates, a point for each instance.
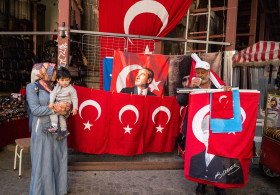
(127, 129)
(87, 125)
(154, 85)
(232, 133)
(159, 129)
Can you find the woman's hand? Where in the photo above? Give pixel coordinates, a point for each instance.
(61, 107)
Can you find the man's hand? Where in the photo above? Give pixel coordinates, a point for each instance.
(74, 112)
(195, 82)
(227, 88)
(51, 105)
(61, 108)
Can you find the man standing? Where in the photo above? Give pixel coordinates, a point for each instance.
(201, 81)
(143, 79)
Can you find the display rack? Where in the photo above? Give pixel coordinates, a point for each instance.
(270, 155)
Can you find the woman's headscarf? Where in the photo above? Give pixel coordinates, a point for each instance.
(44, 74)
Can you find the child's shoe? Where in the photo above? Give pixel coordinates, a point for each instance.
(51, 129)
(62, 135)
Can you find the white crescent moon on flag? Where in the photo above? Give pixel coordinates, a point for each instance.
(129, 107)
(243, 114)
(197, 121)
(121, 80)
(145, 6)
(90, 103)
(161, 108)
(223, 96)
(182, 107)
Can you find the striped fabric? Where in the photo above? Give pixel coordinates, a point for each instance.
(259, 54)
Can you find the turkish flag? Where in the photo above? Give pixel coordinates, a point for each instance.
(126, 119)
(89, 128)
(126, 65)
(200, 166)
(161, 124)
(116, 123)
(222, 105)
(151, 18)
(228, 125)
(238, 144)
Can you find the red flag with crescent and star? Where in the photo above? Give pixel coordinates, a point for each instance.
(200, 165)
(126, 65)
(126, 130)
(145, 17)
(162, 124)
(222, 105)
(116, 123)
(136, 17)
(89, 128)
(241, 143)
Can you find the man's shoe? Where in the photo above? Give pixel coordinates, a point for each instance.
(62, 135)
(200, 189)
(220, 191)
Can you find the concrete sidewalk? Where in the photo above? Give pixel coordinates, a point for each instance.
(144, 182)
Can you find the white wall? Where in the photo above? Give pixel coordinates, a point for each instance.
(51, 15)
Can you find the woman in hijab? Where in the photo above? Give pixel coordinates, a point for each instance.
(48, 156)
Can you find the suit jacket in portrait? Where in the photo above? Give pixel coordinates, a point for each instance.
(133, 90)
(220, 169)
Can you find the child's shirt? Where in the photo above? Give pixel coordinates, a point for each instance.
(67, 94)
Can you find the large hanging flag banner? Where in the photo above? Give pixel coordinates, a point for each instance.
(123, 124)
(202, 166)
(89, 128)
(137, 17)
(126, 65)
(144, 17)
(241, 143)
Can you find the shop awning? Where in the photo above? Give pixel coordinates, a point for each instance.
(260, 54)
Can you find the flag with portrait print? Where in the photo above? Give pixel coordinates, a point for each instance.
(126, 65)
(200, 165)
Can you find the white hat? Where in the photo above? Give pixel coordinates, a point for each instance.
(202, 64)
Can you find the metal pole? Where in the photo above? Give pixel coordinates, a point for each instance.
(63, 32)
(187, 29)
(208, 24)
(148, 37)
(27, 33)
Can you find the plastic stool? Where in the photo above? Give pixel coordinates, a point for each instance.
(23, 143)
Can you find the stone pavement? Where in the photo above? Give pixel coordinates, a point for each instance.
(144, 182)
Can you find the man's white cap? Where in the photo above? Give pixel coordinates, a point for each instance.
(203, 65)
